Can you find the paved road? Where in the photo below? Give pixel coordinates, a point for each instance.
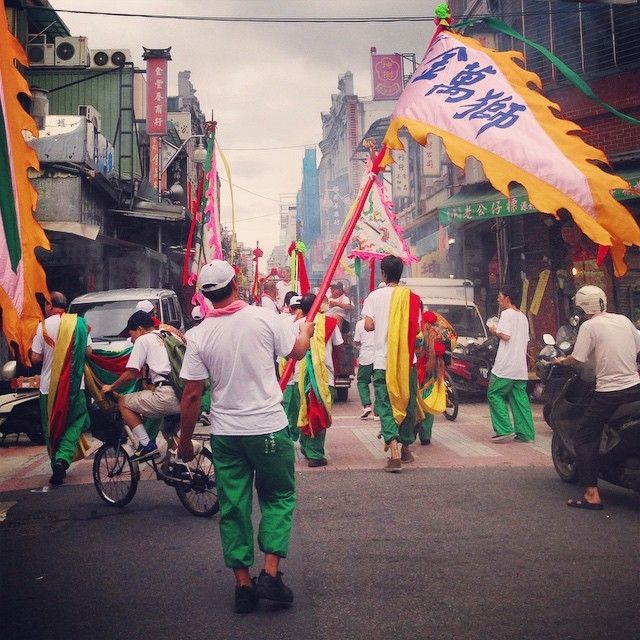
(474, 553)
(351, 444)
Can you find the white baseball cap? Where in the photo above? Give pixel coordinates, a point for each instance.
(216, 275)
(295, 301)
(146, 306)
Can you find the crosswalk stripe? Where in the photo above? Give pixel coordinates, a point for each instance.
(542, 444)
(369, 438)
(464, 446)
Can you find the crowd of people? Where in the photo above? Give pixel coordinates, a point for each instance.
(235, 348)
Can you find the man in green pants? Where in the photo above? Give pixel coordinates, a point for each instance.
(234, 347)
(509, 375)
(364, 341)
(62, 354)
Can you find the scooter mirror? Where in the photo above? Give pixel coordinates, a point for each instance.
(574, 321)
(9, 370)
(493, 321)
(547, 338)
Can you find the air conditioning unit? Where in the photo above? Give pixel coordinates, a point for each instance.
(71, 52)
(40, 53)
(109, 58)
(91, 114)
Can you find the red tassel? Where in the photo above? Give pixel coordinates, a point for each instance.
(303, 278)
(603, 251)
(372, 274)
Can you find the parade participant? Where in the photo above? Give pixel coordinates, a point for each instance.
(234, 346)
(157, 402)
(61, 344)
(283, 285)
(286, 310)
(509, 374)
(338, 304)
(270, 296)
(611, 343)
(393, 314)
(316, 385)
(363, 340)
(148, 307)
(291, 394)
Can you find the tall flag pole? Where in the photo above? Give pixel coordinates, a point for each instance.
(22, 278)
(342, 245)
(480, 103)
(255, 292)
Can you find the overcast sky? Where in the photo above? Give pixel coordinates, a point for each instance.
(266, 83)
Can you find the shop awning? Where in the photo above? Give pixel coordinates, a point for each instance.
(482, 202)
(154, 211)
(89, 231)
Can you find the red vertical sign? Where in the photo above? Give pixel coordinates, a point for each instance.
(387, 76)
(157, 96)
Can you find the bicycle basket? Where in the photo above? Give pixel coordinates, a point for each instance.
(106, 425)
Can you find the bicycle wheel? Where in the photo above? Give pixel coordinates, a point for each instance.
(115, 476)
(451, 412)
(200, 496)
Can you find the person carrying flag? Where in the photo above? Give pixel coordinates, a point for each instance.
(291, 393)
(61, 344)
(393, 314)
(316, 385)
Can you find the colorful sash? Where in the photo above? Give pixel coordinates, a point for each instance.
(313, 382)
(404, 312)
(66, 374)
(229, 309)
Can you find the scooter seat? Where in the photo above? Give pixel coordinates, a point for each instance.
(629, 410)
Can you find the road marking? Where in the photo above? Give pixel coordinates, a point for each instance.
(369, 438)
(464, 446)
(41, 468)
(542, 444)
(4, 507)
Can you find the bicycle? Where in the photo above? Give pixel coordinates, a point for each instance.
(116, 475)
(451, 411)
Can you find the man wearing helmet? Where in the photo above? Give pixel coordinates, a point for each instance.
(611, 344)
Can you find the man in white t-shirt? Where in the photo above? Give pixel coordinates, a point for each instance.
(269, 298)
(338, 304)
(234, 347)
(610, 343)
(148, 350)
(509, 374)
(291, 393)
(61, 440)
(363, 340)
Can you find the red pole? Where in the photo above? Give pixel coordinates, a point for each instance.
(335, 261)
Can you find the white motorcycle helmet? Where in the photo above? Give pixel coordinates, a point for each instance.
(591, 299)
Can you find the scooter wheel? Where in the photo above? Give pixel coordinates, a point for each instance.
(563, 461)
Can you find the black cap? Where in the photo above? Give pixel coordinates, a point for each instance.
(337, 285)
(139, 319)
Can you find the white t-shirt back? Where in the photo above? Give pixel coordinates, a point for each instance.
(365, 338)
(610, 343)
(376, 307)
(267, 303)
(339, 311)
(40, 346)
(236, 352)
(511, 358)
(149, 349)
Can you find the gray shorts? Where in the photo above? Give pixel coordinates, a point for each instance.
(155, 403)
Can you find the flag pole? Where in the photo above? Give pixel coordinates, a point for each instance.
(335, 261)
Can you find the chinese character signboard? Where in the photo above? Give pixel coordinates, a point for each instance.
(400, 175)
(387, 76)
(431, 165)
(157, 96)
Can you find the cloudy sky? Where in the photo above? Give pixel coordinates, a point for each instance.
(266, 83)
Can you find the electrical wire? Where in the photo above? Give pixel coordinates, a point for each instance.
(293, 146)
(253, 193)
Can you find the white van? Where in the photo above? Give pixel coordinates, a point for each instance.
(107, 312)
(453, 299)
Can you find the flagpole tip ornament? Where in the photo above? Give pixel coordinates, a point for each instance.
(443, 15)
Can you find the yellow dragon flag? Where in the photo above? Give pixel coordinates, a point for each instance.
(480, 102)
(21, 276)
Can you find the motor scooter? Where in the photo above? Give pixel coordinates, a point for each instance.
(19, 406)
(619, 455)
(470, 368)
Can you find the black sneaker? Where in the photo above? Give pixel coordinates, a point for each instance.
(246, 598)
(150, 450)
(59, 468)
(272, 588)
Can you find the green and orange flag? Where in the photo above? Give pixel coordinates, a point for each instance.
(21, 276)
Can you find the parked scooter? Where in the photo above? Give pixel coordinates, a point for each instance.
(554, 378)
(470, 368)
(19, 407)
(619, 459)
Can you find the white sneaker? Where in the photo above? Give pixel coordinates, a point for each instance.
(366, 412)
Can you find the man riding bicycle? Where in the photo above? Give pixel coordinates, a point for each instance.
(161, 400)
